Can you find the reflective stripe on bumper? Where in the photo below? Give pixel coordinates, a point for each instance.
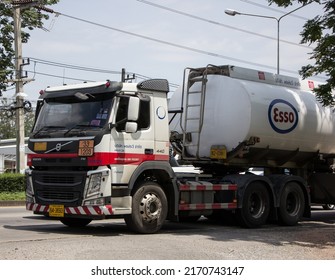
(79, 210)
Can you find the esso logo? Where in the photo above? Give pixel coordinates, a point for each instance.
(283, 117)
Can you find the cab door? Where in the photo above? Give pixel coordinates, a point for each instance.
(130, 147)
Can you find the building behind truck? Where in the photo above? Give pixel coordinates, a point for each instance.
(107, 150)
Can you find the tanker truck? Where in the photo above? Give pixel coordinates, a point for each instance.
(110, 149)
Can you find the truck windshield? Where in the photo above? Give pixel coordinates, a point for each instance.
(68, 119)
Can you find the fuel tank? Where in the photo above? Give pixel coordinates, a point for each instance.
(282, 113)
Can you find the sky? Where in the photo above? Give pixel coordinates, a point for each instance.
(159, 39)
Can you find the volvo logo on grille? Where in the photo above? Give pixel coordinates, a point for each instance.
(58, 147)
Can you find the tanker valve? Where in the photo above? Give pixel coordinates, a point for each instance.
(253, 140)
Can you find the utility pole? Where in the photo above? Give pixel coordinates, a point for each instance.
(20, 95)
(20, 148)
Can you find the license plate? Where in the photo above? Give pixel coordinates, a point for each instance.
(56, 210)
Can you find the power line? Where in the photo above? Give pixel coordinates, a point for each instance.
(273, 9)
(56, 64)
(71, 66)
(175, 45)
(220, 24)
(61, 77)
(82, 68)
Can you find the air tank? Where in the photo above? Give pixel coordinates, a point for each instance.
(281, 112)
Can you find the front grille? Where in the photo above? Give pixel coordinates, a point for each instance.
(58, 180)
(65, 188)
(58, 196)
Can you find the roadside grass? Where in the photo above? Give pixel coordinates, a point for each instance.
(12, 196)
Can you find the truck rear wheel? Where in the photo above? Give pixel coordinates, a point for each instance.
(149, 209)
(75, 222)
(292, 204)
(255, 206)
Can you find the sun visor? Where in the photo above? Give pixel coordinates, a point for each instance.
(154, 85)
(96, 88)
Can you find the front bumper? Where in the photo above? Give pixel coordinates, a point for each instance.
(97, 212)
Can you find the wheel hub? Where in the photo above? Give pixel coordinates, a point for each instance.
(150, 207)
(256, 206)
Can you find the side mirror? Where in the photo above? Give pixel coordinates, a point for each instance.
(127, 115)
(131, 127)
(133, 109)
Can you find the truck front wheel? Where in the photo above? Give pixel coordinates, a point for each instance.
(292, 203)
(255, 206)
(149, 209)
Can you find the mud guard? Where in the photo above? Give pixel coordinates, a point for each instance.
(173, 192)
(244, 180)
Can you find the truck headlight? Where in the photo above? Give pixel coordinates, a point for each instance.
(94, 184)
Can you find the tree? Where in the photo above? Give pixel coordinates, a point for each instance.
(31, 18)
(321, 31)
(7, 119)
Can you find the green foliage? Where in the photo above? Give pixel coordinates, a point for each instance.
(12, 196)
(31, 18)
(286, 3)
(12, 182)
(320, 31)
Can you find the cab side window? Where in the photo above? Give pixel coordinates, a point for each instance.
(122, 112)
(144, 119)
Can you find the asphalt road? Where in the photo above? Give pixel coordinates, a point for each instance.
(27, 236)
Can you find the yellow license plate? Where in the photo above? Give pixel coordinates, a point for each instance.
(40, 146)
(56, 210)
(218, 152)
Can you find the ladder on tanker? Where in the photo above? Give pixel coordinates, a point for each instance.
(194, 92)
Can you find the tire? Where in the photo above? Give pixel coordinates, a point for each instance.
(328, 206)
(255, 206)
(149, 209)
(75, 222)
(292, 203)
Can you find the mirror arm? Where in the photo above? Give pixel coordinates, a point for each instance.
(112, 125)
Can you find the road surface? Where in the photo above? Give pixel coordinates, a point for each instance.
(27, 236)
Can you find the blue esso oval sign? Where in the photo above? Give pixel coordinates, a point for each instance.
(283, 117)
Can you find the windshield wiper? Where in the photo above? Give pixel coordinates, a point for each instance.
(80, 126)
(46, 128)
